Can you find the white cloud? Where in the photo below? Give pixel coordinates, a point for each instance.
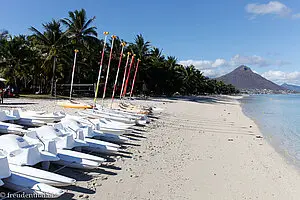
(212, 73)
(203, 64)
(283, 77)
(234, 62)
(273, 7)
(249, 60)
(220, 66)
(219, 62)
(296, 16)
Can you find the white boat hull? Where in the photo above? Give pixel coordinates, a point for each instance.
(109, 137)
(114, 124)
(74, 156)
(99, 115)
(48, 118)
(11, 128)
(4, 167)
(41, 176)
(94, 147)
(17, 182)
(100, 125)
(30, 122)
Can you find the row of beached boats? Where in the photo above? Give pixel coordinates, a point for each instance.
(30, 139)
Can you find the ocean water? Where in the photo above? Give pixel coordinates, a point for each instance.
(278, 117)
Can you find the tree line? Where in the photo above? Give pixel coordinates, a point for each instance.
(37, 61)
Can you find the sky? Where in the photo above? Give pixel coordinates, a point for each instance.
(215, 36)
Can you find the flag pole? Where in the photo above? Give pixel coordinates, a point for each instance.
(116, 80)
(128, 75)
(100, 68)
(136, 69)
(73, 71)
(108, 66)
(124, 76)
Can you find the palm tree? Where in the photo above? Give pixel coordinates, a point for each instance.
(15, 54)
(50, 42)
(79, 27)
(81, 33)
(140, 47)
(3, 34)
(156, 55)
(171, 61)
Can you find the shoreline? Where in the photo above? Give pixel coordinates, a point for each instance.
(289, 159)
(200, 148)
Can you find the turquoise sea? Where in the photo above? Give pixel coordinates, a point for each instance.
(278, 117)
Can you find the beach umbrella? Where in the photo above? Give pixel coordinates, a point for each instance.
(124, 75)
(100, 67)
(116, 80)
(136, 69)
(73, 71)
(128, 74)
(108, 66)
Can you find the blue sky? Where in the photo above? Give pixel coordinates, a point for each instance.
(214, 35)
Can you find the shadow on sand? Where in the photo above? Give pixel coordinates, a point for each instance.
(16, 104)
(137, 129)
(111, 167)
(134, 135)
(198, 99)
(79, 189)
(66, 196)
(132, 144)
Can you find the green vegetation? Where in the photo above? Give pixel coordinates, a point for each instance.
(35, 62)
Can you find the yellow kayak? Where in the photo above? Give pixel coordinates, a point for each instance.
(74, 104)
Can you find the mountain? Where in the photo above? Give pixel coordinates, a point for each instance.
(291, 87)
(244, 78)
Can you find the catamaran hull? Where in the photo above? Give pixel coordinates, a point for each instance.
(109, 137)
(100, 146)
(45, 119)
(113, 114)
(98, 143)
(41, 176)
(78, 160)
(84, 164)
(11, 128)
(99, 115)
(112, 131)
(5, 171)
(103, 125)
(78, 155)
(30, 122)
(114, 124)
(17, 182)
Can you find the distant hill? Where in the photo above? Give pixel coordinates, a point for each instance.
(244, 78)
(291, 87)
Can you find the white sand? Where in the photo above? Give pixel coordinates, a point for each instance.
(196, 150)
(188, 156)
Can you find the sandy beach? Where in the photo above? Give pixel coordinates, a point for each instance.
(201, 148)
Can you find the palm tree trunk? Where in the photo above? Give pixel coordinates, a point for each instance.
(53, 75)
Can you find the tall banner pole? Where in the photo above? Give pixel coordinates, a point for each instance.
(128, 75)
(100, 68)
(124, 76)
(116, 80)
(73, 72)
(108, 66)
(136, 69)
